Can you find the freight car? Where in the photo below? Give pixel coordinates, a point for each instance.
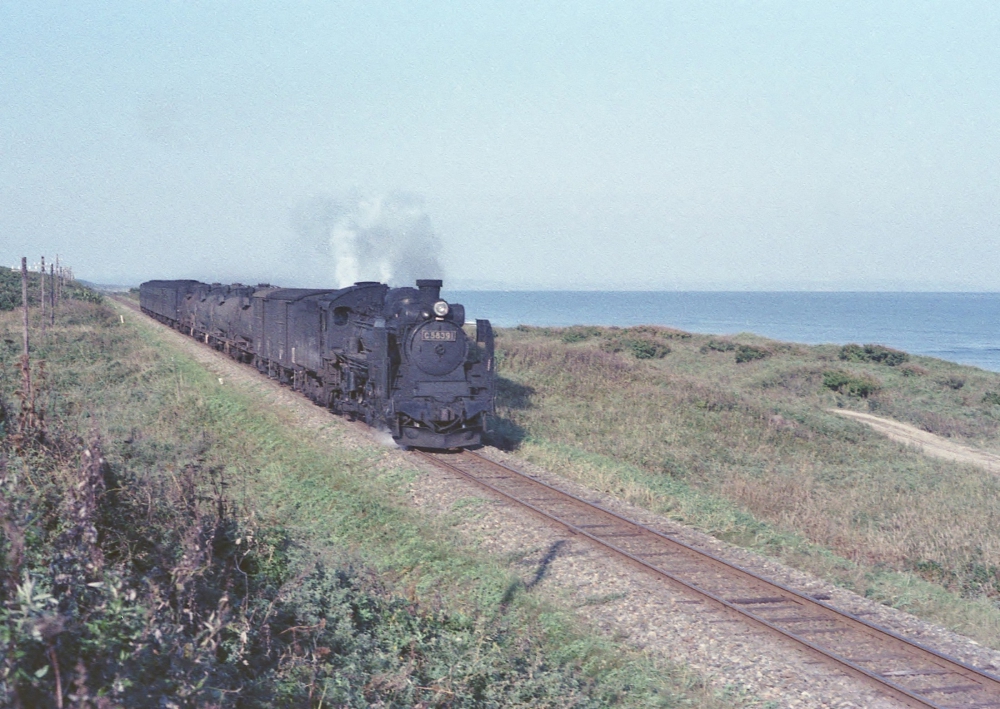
(397, 358)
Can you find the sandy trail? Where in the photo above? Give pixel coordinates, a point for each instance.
(929, 443)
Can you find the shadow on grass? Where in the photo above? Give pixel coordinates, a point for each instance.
(503, 433)
(540, 571)
(511, 395)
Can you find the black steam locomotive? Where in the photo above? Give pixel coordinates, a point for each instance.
(398, 358)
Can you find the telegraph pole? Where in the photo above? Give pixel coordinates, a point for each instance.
(43, 293)
(25, 361)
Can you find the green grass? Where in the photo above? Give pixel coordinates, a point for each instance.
(743, 445)
(305, 498)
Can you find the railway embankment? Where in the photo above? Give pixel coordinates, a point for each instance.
(736, 436)
(170, 536)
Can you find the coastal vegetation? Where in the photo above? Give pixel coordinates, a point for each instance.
(168, 540)
(165, 535)
(737, 436)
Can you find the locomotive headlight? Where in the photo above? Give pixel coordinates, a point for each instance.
(441, 308)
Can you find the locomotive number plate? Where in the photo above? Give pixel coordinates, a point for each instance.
(438, 335)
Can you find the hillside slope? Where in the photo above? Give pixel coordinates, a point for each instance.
(734, 435)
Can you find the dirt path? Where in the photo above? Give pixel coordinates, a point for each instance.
(929, 443)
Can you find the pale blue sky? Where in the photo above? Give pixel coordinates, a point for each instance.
(692, 145)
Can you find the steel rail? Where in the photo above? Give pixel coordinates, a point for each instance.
(983, 681)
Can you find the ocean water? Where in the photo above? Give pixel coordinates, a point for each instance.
(961, 327)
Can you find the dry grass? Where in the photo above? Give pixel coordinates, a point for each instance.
(755, 435)
(429, 608)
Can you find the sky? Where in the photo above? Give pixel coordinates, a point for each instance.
(520, 145)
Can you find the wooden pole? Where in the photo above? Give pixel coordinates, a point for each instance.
(25, 361)
(52, 294)
(58, 280)
(43, 293)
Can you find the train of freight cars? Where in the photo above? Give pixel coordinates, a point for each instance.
(397, 358)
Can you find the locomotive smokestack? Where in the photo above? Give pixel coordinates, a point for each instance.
(430, 289)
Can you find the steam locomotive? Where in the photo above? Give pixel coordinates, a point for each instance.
(397, 358)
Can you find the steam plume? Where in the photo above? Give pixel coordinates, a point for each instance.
(387, 238)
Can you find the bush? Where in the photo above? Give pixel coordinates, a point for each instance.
(853, 353)
(10, 289)
(647, 349)
(748, 353)
(991, 398)
(953, 382)
(579, 333)
(851, 384)
(638, 347)
(744, 353)
(878, 354)
(718, 346)
(658, 331)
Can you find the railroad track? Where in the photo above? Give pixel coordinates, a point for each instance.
(903, 669)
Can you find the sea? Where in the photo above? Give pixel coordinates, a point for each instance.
(960, 327)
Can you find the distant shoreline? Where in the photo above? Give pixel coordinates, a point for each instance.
(963, 327)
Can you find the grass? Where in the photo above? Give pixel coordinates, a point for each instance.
(388, 605)
(734, 435)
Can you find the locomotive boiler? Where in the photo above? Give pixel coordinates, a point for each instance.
(397, 358)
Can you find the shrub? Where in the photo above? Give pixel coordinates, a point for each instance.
(10, 289)
(647, 349)
(992, 398)
(579, 333)
(718, 346)
(853, 353)
(748, 353)
(638, 347)
(851, 384)
(744, 353)
(953, 382)
(878, 354)
(667, 333)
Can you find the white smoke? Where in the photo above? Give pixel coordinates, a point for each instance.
(386, 238)
(385, 439)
